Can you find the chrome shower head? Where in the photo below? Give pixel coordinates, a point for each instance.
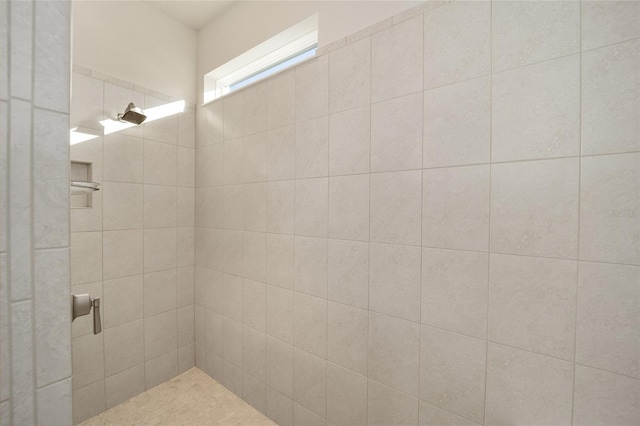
(132, 114)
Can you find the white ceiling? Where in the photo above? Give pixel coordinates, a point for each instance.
(193, 13)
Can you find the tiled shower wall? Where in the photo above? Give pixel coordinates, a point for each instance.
(35, 332)
(133, 248)
(434, 222)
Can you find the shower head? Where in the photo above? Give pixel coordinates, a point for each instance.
(132, 114)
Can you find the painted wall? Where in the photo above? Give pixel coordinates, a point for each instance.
(35, 327)
(248, 23)
(434, 224)
(133, 248)
(137, 43)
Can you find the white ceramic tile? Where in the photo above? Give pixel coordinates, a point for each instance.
(394, 286)
(310, 381)
(52, 331)
(529, 32)
(455, 212)
(88, 360)
(532, 304)
(279, 367)
(281, 110)
(160, 334)
(432, 415)
(609, 203)
(233, 206)
(123, 347)
(186, 358)
(452, 372)
(347, 335)
(536, 111)
(608, 22)
(21, 65)
(161, 369)
(233, 245)
(209, 123)
(159, 249)
(255, 256)
(610, 100)
(311, 203)
(279, 407)
(396, 134)
(233, 116)
(605, 398)
(159, 292)
(387, 406)
(350, 76)
(254, 158)
(185, 286)
(124, 385)
(164, 129)
(304, 416)
(160, 163)
(232, 297)
(349, 207)
(88, 401)
(159, 206)
(312, 89)
(122, 206)
(280, 260)
(454, 52)
(311, 260)
(185, 200)
(454, 291)
(534, 208)
(185, 247)
(608, 314)
(254, 353)
(123, 158)
(254, 297)
(310, 324)
(186, 167)
(210, 165)
(350, 141)
(122, 253)
(254, 392)
(348, 272)
(233, 155)
(346, 396)
(527, 388)
(394, 352)
(186, 326)
(86, 257)
(281, 153)
(86, 101)
(280, 207)
(123, 300)
(396, 60)
(187, 128)
(396, 207)
(312, 148)
(280, 313)
(256, 102)
(55, 402)
(457, 127)
(50, 176)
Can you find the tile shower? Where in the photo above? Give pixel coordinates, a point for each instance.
(433, 222)
(133, 248)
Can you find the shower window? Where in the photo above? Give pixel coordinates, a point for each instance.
(283, 51)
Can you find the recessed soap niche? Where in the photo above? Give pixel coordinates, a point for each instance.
(81, 180)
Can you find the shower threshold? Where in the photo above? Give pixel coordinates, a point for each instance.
(192, 398)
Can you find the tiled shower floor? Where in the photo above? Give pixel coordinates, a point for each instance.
(192, 398)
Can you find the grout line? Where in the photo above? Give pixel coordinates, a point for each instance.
(575, 318)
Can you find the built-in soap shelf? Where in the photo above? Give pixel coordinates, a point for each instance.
(81, 185)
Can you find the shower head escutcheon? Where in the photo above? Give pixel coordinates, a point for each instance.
(132, 114)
